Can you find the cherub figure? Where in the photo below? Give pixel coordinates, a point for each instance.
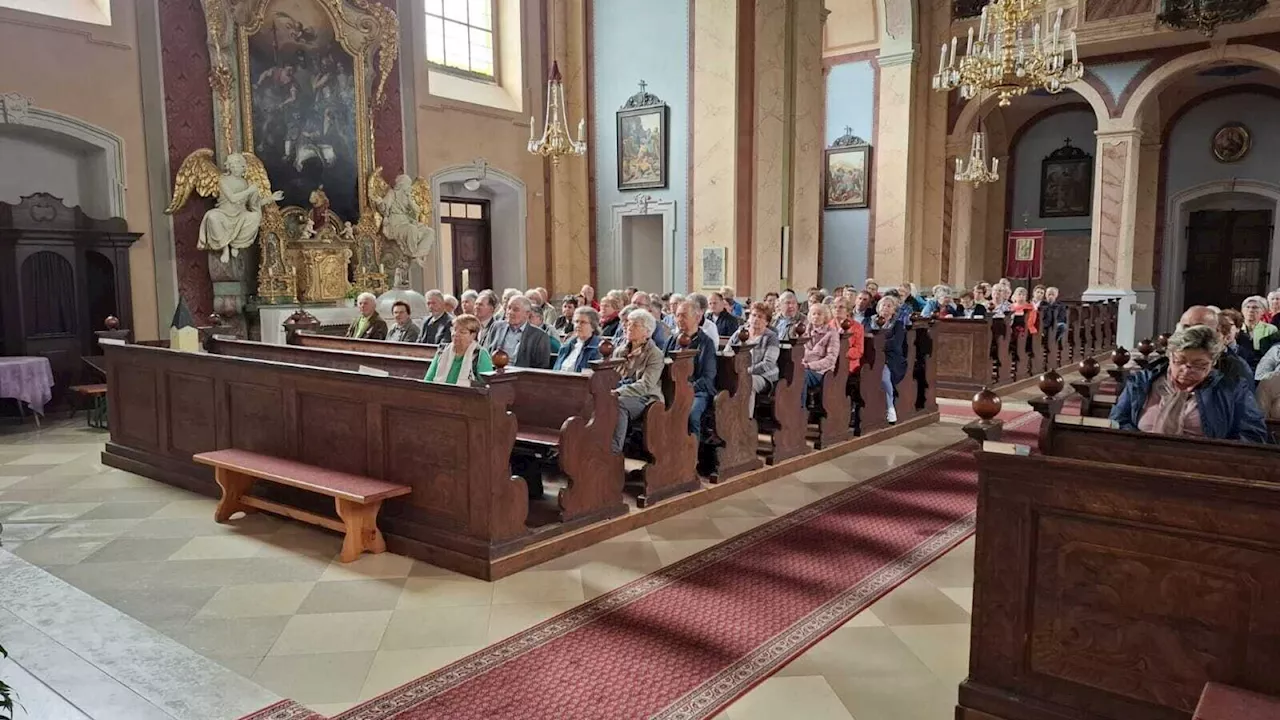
(406, 214)
(242, 191)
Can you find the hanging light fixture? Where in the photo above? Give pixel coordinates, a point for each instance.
(976, 171)
(1207, 15)
(556, 142)
(1008, 55)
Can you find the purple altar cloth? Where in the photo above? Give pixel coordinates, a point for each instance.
(27, 379)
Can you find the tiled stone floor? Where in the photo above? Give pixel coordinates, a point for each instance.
(266, 597)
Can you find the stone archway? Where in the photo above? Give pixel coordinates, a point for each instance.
(1152, 84)
(508, 196)
(978, 108)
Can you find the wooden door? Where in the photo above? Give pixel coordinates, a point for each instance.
(472, 247)
(1228, 256)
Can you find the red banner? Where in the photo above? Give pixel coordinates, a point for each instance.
(1025, 254)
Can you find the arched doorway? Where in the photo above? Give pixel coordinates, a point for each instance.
(506, 213)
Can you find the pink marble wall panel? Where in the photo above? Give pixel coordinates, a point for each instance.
(1114, 157)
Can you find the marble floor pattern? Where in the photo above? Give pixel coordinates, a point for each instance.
(262, 608)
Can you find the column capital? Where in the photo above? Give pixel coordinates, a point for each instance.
(905, 57)
(1131, 134)
(822, 16)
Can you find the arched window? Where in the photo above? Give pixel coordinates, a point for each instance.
(461, 37)
(97, 12)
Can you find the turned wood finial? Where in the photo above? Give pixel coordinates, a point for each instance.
(500, 360)
(684, 341)
(1120, 357)
(743, 335)
(606, 348)
(1146, 347)
(1051, 383)
(987, 404)
(112, 322)
(845, 325)
(215, 320)
(1089, 368)
(1162, 343)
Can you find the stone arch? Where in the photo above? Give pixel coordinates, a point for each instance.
(979, 107)
(18, 111)
(1152, 84)
(509, 231)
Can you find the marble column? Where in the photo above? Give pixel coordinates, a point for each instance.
(714, 147)
(1144, 237)
(964, 216)
(807, 141)
(1115, 212)
(570, 265)
(770, 193)
(891, 260)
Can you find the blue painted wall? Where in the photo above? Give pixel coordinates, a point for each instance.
(1191, 160)
(851, 102)
(634, 43)
(1041, 139)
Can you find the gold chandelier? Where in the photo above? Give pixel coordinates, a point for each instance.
(977, 170)
(555, 142)
(1008, 56)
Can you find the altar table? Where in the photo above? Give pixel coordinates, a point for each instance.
(28, 380)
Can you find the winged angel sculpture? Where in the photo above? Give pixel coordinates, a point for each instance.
(242, 192)
(404, 214)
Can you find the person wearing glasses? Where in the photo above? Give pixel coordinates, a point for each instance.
(583, 346)
(1187, 396)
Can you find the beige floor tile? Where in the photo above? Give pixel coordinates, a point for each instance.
(635, 555)
(393, 668)
(918, 602)
(950, 570)
(637, 535)
(330, 710)
(251, 601)
(674, 550)
(240, 637)
(943, 648)
(903, 697)
(158, 607)
(678, 528)
(731, 527)
(292, 544)
(51, 512)
(507, 620)
(124, 549)
(331, 633)
(111, 480)
(823, 473)
(122, 510)
(45, 551)
(15, 533)
(353, 596)
(962, 596)
(437, 627)
(95, 529)
(46, 481)
(428, 592)
(600, 578)
(539, 586)
(223, 547)
(859, 651)
(323, 678)
(866, 618)
(47, 458)
(370, 567)
(238, 664)
(742, 505)
(800, 697)
(196, 508)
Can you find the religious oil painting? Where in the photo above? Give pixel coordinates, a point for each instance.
(848, 183)
(642, 148)
(304, 104)
(1066, 183)
(1231, 143)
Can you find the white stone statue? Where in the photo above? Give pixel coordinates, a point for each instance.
(406, 214)
(242, 191)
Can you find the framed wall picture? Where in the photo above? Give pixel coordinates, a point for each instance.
(847, 184)
(1231, 142)
(1066, 183)
(713, 267)
(642, 142)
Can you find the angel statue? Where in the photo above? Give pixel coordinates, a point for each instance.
(242, 191)
(406, 214)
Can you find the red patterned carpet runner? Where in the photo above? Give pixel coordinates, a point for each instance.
(682, 643)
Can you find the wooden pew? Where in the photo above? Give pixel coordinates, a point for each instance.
(737, 432)
(360, 345)
(782, 414)
(834, 401)
(1113, 592)
(875, 405)
(916, 390)
(413, 367)
(672, 451)
(450, 444)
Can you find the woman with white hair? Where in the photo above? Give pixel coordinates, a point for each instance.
(369, 326)
(641, 373)
(583, 345)
(888, 322)
(1273, 307)
(1255, 335)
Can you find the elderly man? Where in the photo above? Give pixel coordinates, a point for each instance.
(1231, 365)
(641, 373)
(708, 325)
(404, 330)
(689, 317)
(368, 326)
(486, 309)
(437, 329)
(788, 315)
(526, 344)
(731, 302)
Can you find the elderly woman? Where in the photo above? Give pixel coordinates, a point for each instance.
(940, 305)
(461, 361)
(537, 320)
(1255, 335)
(641, 373)
(844, 312)
(822, 352)
(1273, 307)
(887, 321)
(1187, 396)
(583, 346)
(762, 343)
(610, 323)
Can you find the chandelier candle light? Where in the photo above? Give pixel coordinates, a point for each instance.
(976, 171)
(555, 141)
(1008, 55)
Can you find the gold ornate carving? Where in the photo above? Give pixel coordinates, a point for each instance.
(324, 274)
(277, 278)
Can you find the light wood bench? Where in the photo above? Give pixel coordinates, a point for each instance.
(96, 416)
(358, 499)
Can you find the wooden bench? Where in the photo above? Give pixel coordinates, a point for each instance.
(401, 365)
(1224, 702)
(781, 414)
(671, 450)
(357, 499)
(96, 416)
(736, 430)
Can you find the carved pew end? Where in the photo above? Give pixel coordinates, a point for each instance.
(986, 405)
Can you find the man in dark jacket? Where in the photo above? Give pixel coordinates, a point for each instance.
(369, 326)
(722, 315)
(703, 377)
(437, 329)
(526, 344)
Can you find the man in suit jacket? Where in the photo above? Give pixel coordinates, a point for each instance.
(404, 330)
(486, 312)
(437, 329)
(368, 326)
(527, 345)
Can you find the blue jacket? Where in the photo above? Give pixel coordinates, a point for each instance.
(1228, 410)
(895, 346)
(591, 351)
(703, 376)
(932, 308)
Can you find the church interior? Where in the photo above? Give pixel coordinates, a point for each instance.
(734, 359)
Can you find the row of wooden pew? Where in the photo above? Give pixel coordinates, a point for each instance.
(1118, 573)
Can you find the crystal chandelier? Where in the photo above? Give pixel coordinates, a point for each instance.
(1008, 55)
(555, 142)
(1207, 15)
(976, 171)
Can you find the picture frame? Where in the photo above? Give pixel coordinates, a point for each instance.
(643, 151)
(713, 267)
(1231, 142)
(1066, 183)
(847, 173)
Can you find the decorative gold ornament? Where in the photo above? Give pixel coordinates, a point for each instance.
(1008, 56)
(977, 170)
(1207, 15)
